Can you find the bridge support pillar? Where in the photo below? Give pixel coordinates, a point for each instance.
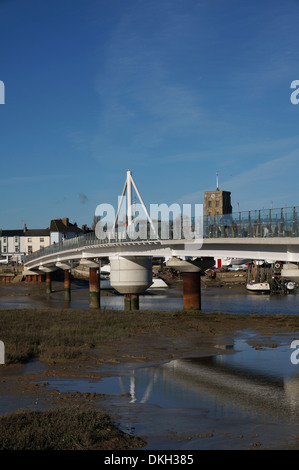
(94, 288)
(192, 290)
(48, 283)
(48, 271)
(192, 271)
(131, 276)
(131, 301)
(67, 285)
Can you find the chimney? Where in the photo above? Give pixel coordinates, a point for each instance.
(25, 228)
(65, 221)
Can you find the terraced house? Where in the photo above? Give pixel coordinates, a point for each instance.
(36, 239)
(12, 245)
(16, 243)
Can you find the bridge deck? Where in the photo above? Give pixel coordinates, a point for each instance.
(264, 234)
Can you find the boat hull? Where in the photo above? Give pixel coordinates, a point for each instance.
(259, 287)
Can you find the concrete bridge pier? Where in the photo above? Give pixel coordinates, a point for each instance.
(94, 288)
(192, 290)
(67, 280)
(48, 282)
(191, 270)
(94, 282)
(131, 276)
(67, 285)
(131, 301)
(48, 270)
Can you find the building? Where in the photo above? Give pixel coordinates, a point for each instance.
(36, 239)
(62, 229)
(217, 202)
(12, 245)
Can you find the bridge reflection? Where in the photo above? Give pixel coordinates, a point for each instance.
(219, 390)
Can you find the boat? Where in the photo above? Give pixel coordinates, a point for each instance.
(290, 286)
(258, 287)
(158, 283)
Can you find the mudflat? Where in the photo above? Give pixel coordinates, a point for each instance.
(45, 343)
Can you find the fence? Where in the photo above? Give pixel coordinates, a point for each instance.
(259, 223)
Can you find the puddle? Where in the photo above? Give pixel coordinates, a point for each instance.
(249, 381)
(248, 387)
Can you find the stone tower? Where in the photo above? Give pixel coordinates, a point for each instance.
(217, 202)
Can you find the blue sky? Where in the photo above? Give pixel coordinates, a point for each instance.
(172, 89)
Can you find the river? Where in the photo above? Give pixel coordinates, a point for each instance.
(233, 299)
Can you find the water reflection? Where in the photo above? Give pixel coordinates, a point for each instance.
(219, 386)
(219, 392)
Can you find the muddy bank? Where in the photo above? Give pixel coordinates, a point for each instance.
(143, 338)
(162, 337)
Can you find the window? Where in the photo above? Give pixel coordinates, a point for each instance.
(30, 249)
(17, 248)
(4, 249)
(217, 203)
(41, 240)
(41, 247)
(16, 239)
(29, 240)
(4, 240)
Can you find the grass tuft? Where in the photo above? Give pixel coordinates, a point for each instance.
(63, 429)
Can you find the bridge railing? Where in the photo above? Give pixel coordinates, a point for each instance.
(283, 222)
(260, 223)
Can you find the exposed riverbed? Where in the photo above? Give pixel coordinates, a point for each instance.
(231, 385)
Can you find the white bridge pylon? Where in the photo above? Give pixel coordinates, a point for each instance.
(129, 210)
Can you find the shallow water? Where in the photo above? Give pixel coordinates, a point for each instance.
(245, 388)
(184, 382)
(222, 299)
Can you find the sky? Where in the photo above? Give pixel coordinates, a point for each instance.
(173, 90)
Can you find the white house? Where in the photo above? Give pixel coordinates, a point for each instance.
(16, 243)
(12, 245)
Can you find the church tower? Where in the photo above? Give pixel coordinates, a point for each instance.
(217, 202)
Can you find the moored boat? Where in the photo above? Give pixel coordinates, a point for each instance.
(290, 285)
(259, 287)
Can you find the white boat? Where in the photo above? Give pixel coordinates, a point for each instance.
(290, 285)
(158, 283)
(258, 287)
